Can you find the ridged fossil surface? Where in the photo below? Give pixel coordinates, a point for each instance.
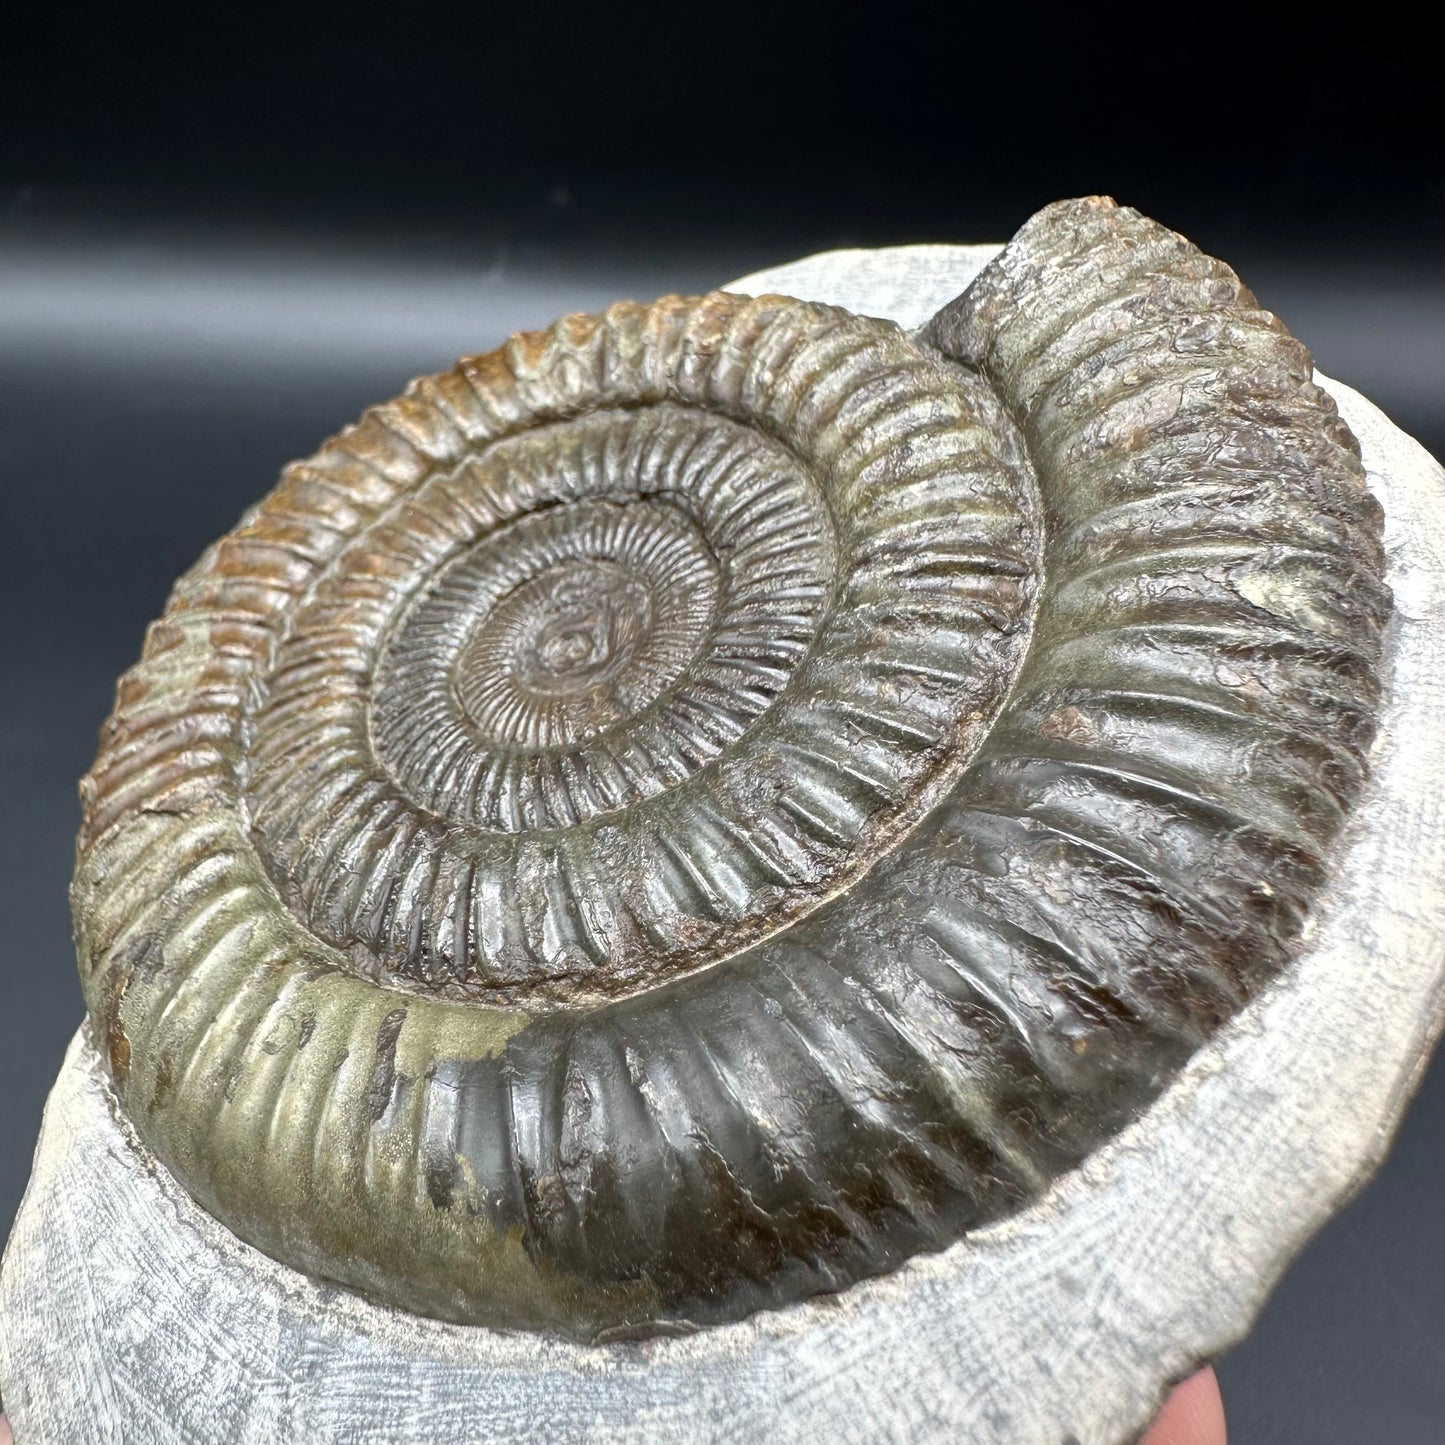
(686, 810)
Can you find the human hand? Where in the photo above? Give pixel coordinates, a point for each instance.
(1192, 1415)
(6, 1438)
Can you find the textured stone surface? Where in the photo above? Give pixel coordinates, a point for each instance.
(127, 1308)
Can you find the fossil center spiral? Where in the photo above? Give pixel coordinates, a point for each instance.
(559, 627)
(566, 635)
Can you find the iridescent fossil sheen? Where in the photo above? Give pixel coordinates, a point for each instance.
(691, 808)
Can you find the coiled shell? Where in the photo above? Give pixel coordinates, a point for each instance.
(691, 808)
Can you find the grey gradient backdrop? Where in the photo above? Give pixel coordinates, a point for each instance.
(217, 246)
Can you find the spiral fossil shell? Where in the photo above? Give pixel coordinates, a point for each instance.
(698, 805)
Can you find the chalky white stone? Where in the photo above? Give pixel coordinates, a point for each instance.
(128, 1314)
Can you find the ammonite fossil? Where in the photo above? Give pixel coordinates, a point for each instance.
(705, 802)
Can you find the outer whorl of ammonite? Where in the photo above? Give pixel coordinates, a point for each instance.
(694, 807)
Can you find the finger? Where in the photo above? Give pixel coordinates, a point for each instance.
(6, 1438)
(1192, 1415)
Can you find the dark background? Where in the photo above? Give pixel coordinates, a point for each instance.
(219, 239)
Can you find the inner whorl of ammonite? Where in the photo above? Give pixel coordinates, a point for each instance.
(557, 633)
(625, 690)
(695, 807)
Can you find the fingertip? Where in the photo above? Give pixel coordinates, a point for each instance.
(1192, 1415)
